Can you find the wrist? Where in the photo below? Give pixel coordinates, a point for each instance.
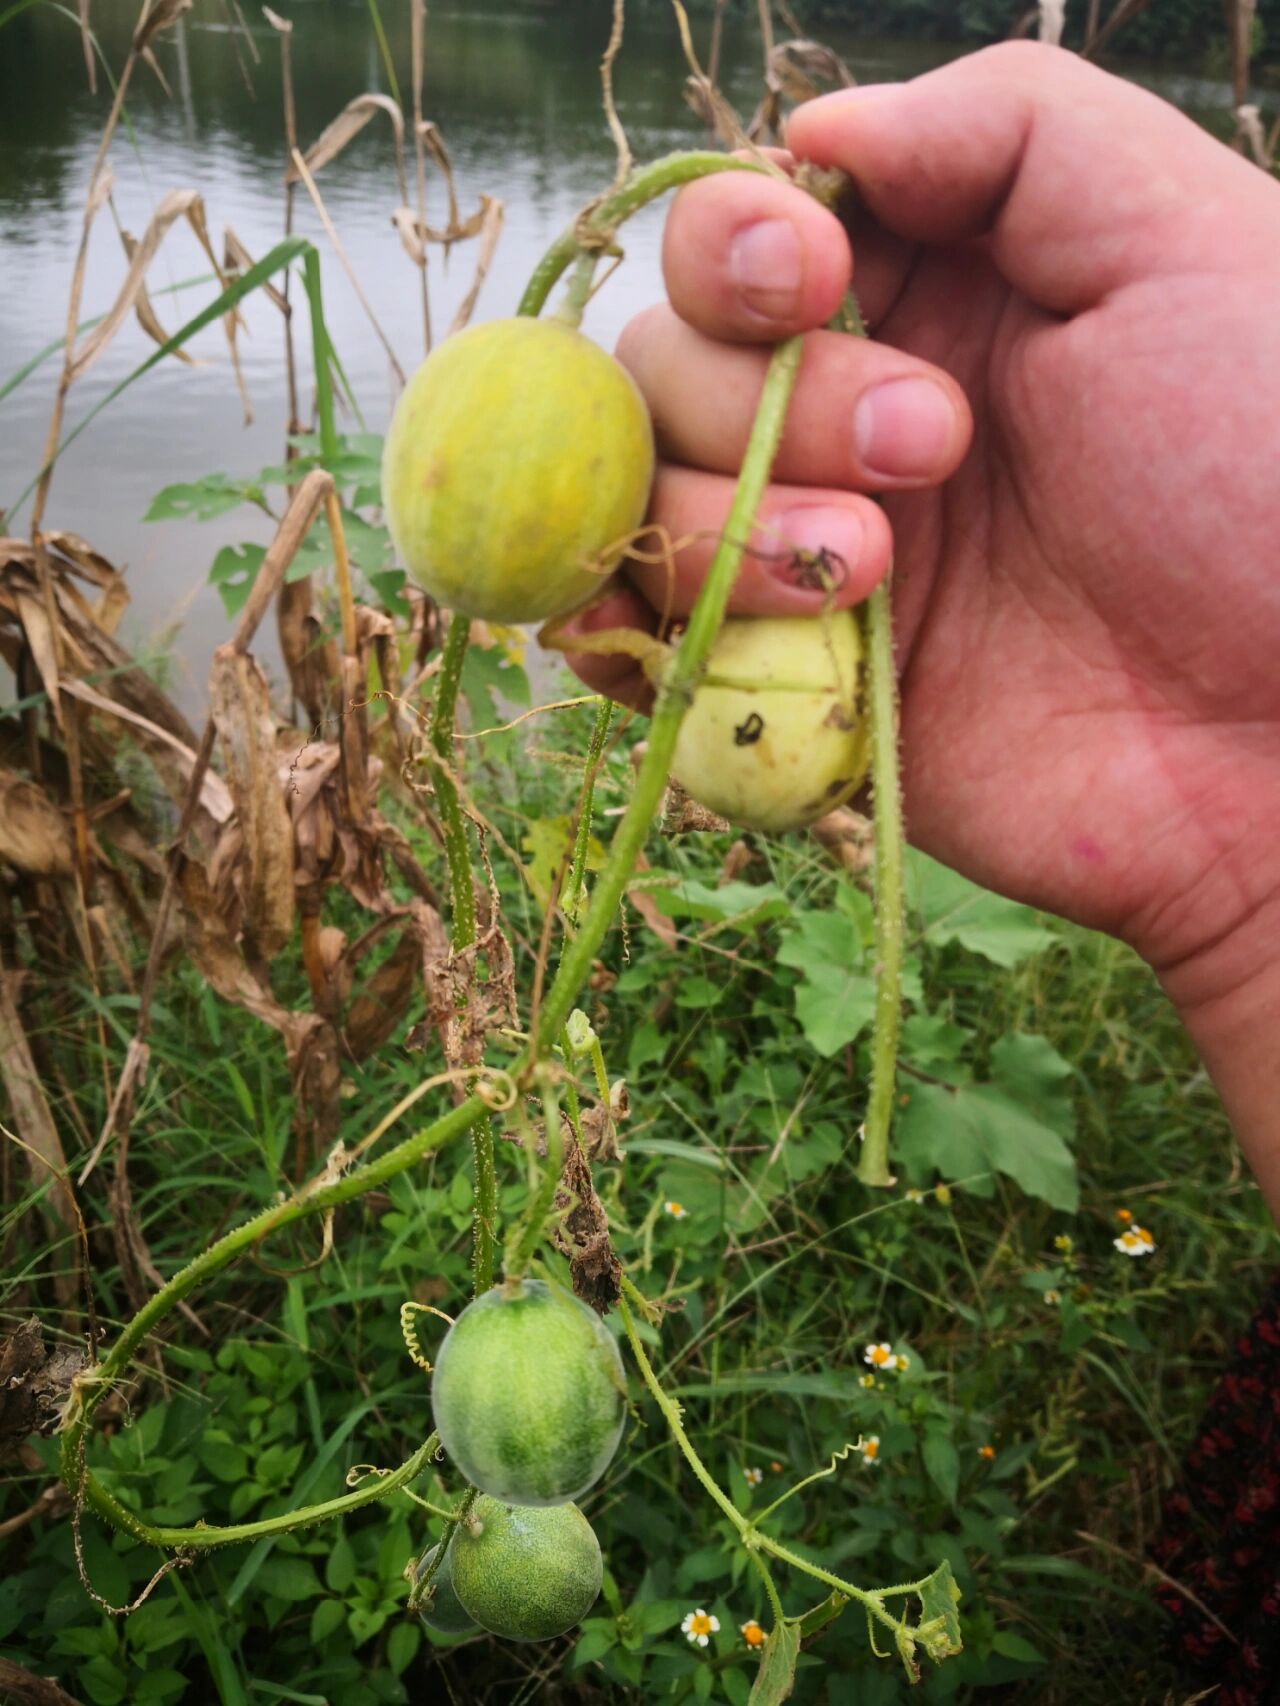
(1227, 993)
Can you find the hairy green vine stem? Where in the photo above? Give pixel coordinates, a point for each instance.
(462, 900)
(750, 1536)
(882, 710)
(882, 713)
(597, 227)
(311, 1200)
(674, 697)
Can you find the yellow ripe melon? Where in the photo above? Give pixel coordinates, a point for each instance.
(517, 464)
(776, 736)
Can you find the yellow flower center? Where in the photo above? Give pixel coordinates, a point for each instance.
(753, 1634)
(871, 1448)
(700, 1624)
(879, 1355)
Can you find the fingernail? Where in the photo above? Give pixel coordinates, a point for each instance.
(902, 428)
(766, 266)
(813, 547)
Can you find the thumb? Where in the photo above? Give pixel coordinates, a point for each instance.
(1082, 183)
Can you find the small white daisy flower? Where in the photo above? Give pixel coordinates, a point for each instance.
(913, 1195)
(871, 1449)
(676, 1210)
(699, 1626)
(1053, 1298)
(880, 1356)
(753, 1477)
(1136, 1241)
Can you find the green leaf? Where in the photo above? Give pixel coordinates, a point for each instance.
(364, 1623)
(966, 1132)
(1012, 1646)
(749, 903)
(329, 1614)
(952, 909)
(942, 1461)
(102, 1680)
(835, 998)
(402, 1644)
(340, 1571)
(233, 571)
(1035, 1074)
(289, 1578)
(201, 500)
(492, 683)
(549, 842)
(939, 1631)
(777, 1675)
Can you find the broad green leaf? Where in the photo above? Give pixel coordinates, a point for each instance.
(1032, 1071)
(966, 1132)
(835, 998)
(942, 1461)
(289, 1577)
(777, 1674)
(952, 909)
(202, 500)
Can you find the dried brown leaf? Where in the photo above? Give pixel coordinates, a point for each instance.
(345, 128)
(40, 1144)
(35, 1383)
(156, 18)
(583, 1233)
(172, 759)
(384, 999)
(146, 314)
(240, 706)
(34, 835)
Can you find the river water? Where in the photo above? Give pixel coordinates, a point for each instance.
(515, 90)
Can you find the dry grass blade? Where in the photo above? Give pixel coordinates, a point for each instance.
(705, 99)
(492, 214)
(346, 127)
(178, 204)
(143, 309)
(616, 131)
(86, 44)
(37, 1132)
(241, 710)
(236, 259)
(156, 18)
(304, 173)
(161, 747)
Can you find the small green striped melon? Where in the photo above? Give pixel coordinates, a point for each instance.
(526, 1573)
(528, 1394)
(444, 1612)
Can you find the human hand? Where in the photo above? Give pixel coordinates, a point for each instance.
(1088, 610)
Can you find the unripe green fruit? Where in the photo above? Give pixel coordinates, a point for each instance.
(528, 1394)
(775, 736)
(445, 1612)
(526, 1574)
(517, 465)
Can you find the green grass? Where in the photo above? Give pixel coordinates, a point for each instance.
(780, 1271)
